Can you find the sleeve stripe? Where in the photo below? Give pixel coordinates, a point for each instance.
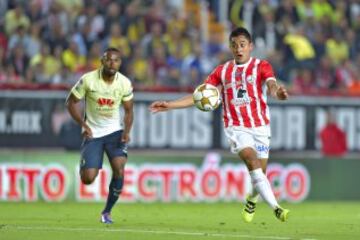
(76, 94)
(130, 93)
(127, 98)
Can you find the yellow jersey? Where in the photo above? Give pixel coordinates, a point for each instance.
(103, 101)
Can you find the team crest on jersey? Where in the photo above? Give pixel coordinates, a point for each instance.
(240, 102)
(250, 79)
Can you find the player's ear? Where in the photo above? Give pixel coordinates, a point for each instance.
(251, 46)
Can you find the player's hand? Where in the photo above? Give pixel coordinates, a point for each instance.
(87, 133)
(125, 137)
(159, 106)
(281, 93)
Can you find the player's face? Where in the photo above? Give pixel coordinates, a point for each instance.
(241, 48)
(111, 62)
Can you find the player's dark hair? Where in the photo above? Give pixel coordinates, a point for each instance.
(112, 49)
(240, 31)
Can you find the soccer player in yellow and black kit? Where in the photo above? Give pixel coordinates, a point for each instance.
(104, 91)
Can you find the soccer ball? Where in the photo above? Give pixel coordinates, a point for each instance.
(206, 97)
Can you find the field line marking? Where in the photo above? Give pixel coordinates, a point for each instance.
(149, 231)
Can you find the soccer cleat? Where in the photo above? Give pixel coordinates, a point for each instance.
(248, 211)
(106, 218)
(282, 214)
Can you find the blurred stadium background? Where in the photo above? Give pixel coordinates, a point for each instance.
(168, 47)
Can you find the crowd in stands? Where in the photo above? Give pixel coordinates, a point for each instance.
(313, 45)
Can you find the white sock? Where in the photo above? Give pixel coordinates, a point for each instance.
(262, 186)
(254, 196)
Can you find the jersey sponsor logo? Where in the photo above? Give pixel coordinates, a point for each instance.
(242, 98)
(105, 102)
(240, 102)
(241, 93)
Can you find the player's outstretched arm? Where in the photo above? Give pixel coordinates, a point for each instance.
(277, 91)
(162, 106)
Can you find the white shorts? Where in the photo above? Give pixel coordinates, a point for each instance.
(257, 138)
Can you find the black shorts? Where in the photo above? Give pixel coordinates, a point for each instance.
(92, 150)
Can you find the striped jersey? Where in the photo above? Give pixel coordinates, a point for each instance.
(103, 100)
(243, 92)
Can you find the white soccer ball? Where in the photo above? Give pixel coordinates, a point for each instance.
(206, 97)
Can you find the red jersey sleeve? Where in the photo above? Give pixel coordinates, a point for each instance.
(266, 71)
(215, 76)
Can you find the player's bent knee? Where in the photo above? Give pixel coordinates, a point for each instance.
(88, 176)
(86, 181)
(248, 154)
(253, 164)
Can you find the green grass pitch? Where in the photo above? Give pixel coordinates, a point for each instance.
(160, 221)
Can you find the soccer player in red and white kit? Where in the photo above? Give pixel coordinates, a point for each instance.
(244, 83)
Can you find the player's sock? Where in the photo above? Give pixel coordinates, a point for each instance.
(115, 188)
(253, 197)
(262, 186)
